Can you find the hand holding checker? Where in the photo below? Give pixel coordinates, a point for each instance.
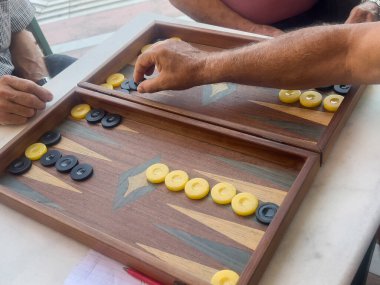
(20, 98)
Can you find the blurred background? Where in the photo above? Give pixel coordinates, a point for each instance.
(73, 27)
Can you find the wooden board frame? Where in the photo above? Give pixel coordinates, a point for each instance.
(130, 255)
(166, 28)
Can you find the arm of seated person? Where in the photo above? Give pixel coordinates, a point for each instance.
(27, 57)
(307, 58)
(215, 12)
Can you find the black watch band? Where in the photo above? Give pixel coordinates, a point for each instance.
(42, 81)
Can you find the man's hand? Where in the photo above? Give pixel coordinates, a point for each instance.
(180, 66)
(20, 99)
(365, 12)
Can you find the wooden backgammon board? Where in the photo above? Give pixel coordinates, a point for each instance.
(222, 133)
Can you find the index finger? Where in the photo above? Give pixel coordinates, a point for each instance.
(30, 87)
(144, 63)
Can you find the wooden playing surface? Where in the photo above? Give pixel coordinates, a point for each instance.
(249, 109)
(159, 232)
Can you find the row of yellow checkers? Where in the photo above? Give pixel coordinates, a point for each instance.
(243, 204)
(311, 99)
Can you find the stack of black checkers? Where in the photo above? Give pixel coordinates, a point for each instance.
(108, 121)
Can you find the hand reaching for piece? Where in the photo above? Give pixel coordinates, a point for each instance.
(179, 65)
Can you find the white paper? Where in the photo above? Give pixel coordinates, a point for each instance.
(96, 269)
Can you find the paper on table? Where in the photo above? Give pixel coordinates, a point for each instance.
(96, 269)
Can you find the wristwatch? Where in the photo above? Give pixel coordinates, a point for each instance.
(377, 2)
(42, 81)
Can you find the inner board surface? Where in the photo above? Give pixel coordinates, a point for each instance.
(198, 236)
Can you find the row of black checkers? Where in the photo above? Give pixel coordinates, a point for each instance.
(340, 89)
(63, 164)
(129, 85)
(108, 121)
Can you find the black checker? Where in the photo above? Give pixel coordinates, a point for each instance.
(95, 116)
(50, 158)
(50, 138)
(125, 85)
(81, 172)
(266, 212)
(342, 89)
(325, 88)
(111, 120)
(133, 85)
(20, 166)
(66, 163)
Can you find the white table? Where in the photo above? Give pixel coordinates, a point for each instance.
(324, 244)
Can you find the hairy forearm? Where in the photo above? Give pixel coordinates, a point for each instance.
(27, 57)
(306, 58)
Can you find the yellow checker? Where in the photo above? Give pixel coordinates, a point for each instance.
(197, 188)
(115, 79)
(289, 96)
(225, 277)
(145, 48)
(176, 38)
(244, 204)
(311, 99)
(222, 193)
(332, 102)
(107, 85)
(35, 151)
(80, 111)
(176, 180)
(156, 173)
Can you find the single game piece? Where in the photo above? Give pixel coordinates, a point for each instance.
(176, 180)
(156, 173)
(244, 204)
(95, 116)
(311, 99)
(125, 85)
(81, 172)
(115, 79)
(266, 212)
(107, 86)
(132, 85)
(111, 120)
(35, 151)
(222, 193)
(289, 96)
(197, 188)
(176, 38)
(342, 89)
(50, 138)
(225, 277)
(324, 88)
(80, 111)
(145, 48)
(20, 166)
(66, 163)
(332, 102)
(50, 158)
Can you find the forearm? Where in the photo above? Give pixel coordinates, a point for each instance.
(306, 58)
(215, 12)
(27, 57)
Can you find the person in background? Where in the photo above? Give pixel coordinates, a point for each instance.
(22, 66)
(272, 17)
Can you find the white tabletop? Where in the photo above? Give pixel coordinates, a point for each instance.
(324, 244)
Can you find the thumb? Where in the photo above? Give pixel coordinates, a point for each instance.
(150, 85)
